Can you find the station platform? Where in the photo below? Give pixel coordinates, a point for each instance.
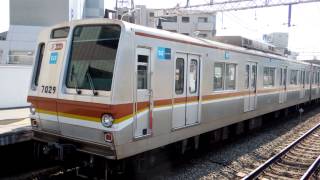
(15, 126)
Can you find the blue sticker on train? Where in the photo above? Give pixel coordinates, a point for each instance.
(164, 53)
(53, 58)
(226, 55)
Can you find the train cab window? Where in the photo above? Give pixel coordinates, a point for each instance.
(142, 70)
(179, 81)
(218, 76)
(193, 73)
(294, 77)
(268, 76)
(39, 63)
(60, 33)
(230, 77)
(92, 57)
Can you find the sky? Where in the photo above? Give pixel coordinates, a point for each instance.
(303, 35)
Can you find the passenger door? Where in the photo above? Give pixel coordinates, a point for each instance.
(186, 93)
(180, 92)
(192, 104)
(283, 85)
(250, 100)
(143, 102)
(48, 84)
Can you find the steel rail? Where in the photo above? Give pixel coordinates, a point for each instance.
(315, 165)
(255, 173)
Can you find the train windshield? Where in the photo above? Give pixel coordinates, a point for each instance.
(92, 57)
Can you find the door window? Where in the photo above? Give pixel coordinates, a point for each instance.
(247, 77)
(193, 76)
(179, 81)
(285, 77)
(281, 77)
(254, 76)
(142, 70)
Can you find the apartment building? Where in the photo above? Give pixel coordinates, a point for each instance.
(29, 17)
(191, 23)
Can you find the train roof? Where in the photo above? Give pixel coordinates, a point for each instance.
(177, 37)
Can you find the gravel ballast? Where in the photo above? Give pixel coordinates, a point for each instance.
(236, 158)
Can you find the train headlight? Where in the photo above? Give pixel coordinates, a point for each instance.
(32, 110)
(107, 120)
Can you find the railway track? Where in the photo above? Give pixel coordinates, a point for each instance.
(299, 160)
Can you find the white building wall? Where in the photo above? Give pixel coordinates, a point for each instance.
(21, 39)
(76, 8)
(142, 16)
(14, 87)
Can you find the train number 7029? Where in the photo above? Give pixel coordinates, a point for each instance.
(48, 89)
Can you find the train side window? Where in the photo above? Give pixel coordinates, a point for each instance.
(193, 76)
(179, 81)
(142, 70)
(268, 76)
(294, 77)
(39, 63)
(230, 83)
(300, 79)
(218, 76)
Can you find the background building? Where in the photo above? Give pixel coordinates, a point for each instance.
(186, 22)
(29, 17)
(17, 46)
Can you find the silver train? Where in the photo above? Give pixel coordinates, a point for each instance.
(115, 89)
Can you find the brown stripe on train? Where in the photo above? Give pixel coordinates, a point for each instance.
(81, 108)
(225, 95)
(120, 110)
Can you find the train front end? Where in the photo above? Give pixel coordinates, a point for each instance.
(73, 106)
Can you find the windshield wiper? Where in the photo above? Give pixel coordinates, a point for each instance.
(73, 78)
(94, 92)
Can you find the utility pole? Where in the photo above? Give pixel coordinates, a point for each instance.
(289, 15)
(188, 3)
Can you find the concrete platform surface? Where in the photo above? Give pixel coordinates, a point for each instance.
(20, 113)
(15, 127)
